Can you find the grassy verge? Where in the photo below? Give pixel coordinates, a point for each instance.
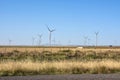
(11, 68)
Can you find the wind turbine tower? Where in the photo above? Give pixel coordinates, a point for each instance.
(40, 39)
(96, 34)
(85, 40)
(50, 34)
(10, 42)
(33, 40)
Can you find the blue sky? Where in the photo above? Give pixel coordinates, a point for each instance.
(20, 20)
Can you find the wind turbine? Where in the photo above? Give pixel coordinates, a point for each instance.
(40, 39)
(85, 40)
(69, 42)
(54, 41)
(50, 33)
(33, 39)
(96, 34)
(9, 42)
(89, 41)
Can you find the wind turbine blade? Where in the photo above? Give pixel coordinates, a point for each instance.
(96, 33)
(52, 30)
(48, 28)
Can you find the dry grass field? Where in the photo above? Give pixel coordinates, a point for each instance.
(58, 60)
(56, 48)
(61, 67)
(33, 48)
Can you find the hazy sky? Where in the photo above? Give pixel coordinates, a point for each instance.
(20, 20)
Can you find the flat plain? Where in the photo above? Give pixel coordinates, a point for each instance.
(59, 63)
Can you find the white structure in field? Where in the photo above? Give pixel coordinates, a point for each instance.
(79, 48)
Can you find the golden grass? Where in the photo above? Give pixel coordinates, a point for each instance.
(40, 49)
(54, 49)
(61, 67)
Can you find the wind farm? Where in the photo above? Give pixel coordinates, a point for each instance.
(59, 40)
(36, 44)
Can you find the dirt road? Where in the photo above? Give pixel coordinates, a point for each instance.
(66, 77)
